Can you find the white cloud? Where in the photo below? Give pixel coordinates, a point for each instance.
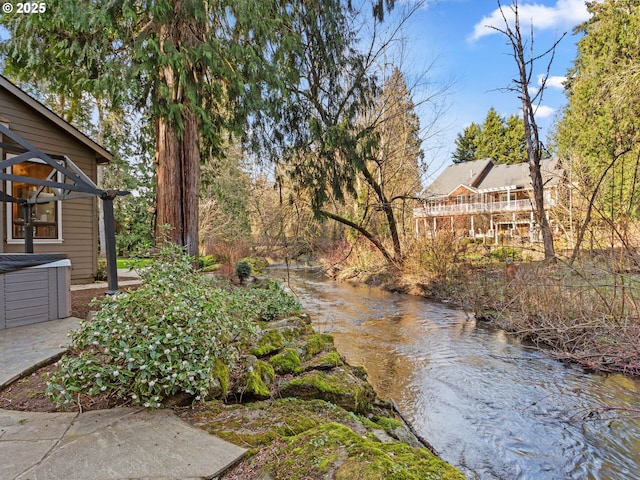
(553, 82)
(564, 14)
(543, 111)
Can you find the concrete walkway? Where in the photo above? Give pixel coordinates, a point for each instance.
(24, 349)
(120, 443)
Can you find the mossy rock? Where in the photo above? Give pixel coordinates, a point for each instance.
(287, 361)
(333, 450)
(317, 343)
(336, 386)
(271, 341)
(219, 384)
(292, 328)
(260, 423)
(327, 361)
(317, 439)
(258, 379)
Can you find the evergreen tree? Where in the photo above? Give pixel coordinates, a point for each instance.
(490, 144)
(601, 124)
(503, 141)
(467, 144)
(198, 67)
(514, 147)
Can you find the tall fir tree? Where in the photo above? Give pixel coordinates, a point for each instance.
(199, 68)
(467, 144)
(502, 140)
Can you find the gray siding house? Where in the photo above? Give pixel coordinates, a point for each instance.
(484, 199)
(69, 227)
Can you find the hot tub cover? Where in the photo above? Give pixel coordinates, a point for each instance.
(17, 261)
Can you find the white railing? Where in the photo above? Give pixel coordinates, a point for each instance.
(440, 209)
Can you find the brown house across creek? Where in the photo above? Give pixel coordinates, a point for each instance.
(484, 199)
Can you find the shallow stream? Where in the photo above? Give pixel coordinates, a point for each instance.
(489, 405)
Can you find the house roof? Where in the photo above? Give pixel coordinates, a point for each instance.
(102, 154)
(502, 176)
(485, 176)
(468, 174)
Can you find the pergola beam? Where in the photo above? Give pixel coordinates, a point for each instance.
(80, 186)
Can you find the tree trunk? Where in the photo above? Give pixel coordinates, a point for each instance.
(178, 183)
(534, 151)
(178, 161)
(366, 233)
(388, 212)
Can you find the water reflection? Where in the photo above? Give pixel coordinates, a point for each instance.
(491, 406)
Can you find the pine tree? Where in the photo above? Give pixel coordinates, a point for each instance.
(467, 144)
(492, 138)
(501, 140)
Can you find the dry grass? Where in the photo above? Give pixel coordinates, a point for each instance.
(584, 315)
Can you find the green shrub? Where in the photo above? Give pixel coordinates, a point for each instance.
(165, 337)
(243, 270)
(258, 264)
(502, 253)
(272, 301)
(206, 261)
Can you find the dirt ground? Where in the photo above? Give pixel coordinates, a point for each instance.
(80, 300)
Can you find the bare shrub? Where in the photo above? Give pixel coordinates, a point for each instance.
(436, 256)
(588, 316)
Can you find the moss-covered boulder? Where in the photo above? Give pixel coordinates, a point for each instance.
(300, 439)
(287, 361)
(269, 342)
(257, 380)
(219, 384)
(317, 343)
(311, 415)
(291, 328)
(327, 361)
(337, 386)
(333, 450)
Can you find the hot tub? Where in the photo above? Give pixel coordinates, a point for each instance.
(34, 288)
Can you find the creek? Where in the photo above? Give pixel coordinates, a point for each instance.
(490, 405)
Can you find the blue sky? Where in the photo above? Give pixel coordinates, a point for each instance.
(452, 37)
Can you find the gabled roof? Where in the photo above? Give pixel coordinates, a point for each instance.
(468, 174)
(102, 155)
(502, 176)
(485, 176)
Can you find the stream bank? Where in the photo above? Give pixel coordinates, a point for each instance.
(585, 316)
(304, 413)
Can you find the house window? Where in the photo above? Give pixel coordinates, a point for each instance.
(46, 217)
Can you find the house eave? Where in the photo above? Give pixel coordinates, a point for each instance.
(102, 155)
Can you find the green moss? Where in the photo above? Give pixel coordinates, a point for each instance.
(287, 361)
(389, 424)
(270, 342)
(352, 456)
(294, 332)
(327, 361)
(316, 343)
(221, 373)
(257, 379)
(336, 387)
(317, 439)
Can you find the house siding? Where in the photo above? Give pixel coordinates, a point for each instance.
(79, 216)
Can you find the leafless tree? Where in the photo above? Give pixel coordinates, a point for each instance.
(530, 103)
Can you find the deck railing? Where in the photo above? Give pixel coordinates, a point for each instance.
(440, 209)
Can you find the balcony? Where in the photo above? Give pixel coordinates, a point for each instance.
(443, 209)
